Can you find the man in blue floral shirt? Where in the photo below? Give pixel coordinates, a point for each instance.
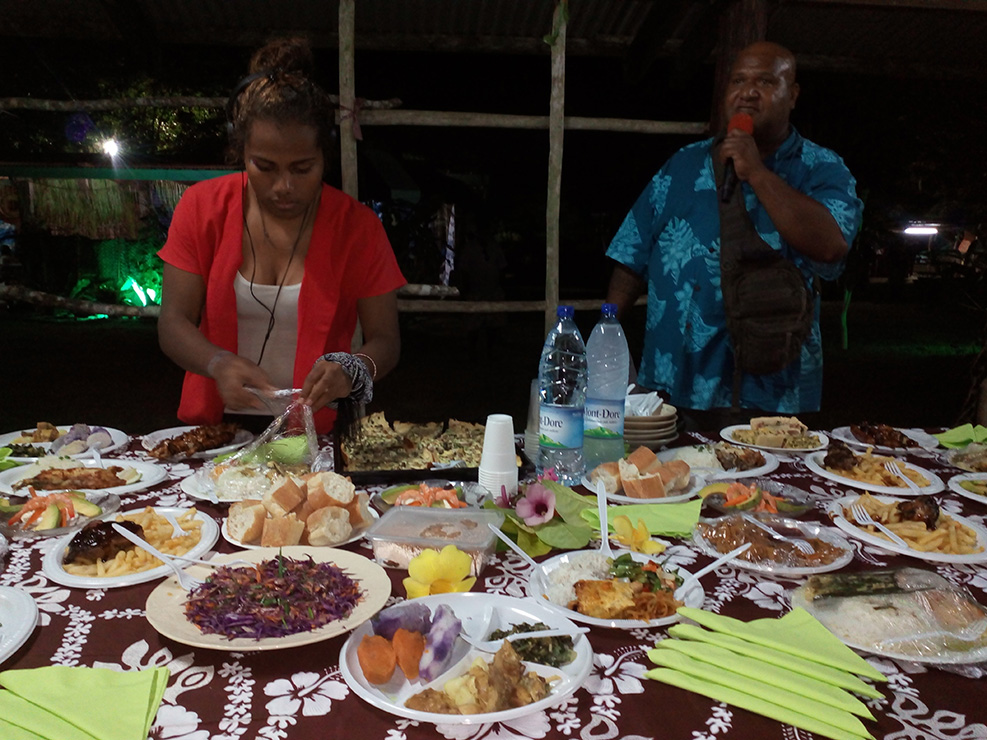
(802, 201)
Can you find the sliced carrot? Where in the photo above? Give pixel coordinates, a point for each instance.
(377, 659)
(408, 648)
(736, 494)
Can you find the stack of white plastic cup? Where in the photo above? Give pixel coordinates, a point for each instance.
(498, 462)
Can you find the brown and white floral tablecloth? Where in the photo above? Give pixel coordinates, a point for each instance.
(299, 693)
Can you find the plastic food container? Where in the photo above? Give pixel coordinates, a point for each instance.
(404, 531)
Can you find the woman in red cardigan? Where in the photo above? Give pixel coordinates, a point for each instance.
(267, 271)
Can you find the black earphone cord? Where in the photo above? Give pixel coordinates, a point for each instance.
(253, 271)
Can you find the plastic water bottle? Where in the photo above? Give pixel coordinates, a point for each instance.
(608, 361)
(562, 391)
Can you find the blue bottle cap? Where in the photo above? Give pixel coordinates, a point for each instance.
(565, 312)
(609, 309)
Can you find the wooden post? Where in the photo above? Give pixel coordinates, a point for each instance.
(741, 24)
(556, 131)
(347, 97)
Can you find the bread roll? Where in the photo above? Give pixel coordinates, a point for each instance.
(245, 521)
(328, 526)
(329, 489)
(609, 474)
(675, 475)
(283, 499)
(282, 531)
(635, 484)
(359, 511)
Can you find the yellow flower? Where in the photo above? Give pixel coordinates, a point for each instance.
(434, 572)
(636, 538)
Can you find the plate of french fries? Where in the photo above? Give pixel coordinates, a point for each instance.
(869, 474)
(134, 565)
(953, 539)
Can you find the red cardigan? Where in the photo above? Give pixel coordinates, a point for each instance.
(349, 258)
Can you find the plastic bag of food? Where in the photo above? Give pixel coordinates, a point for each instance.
(906, 613)
(288, 447)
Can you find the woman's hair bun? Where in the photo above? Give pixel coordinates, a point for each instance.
(291, 54)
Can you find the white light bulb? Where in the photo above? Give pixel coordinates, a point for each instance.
(111, 147)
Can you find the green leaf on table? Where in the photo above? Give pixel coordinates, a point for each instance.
(564, 536)
(533, 544)
(568, 503)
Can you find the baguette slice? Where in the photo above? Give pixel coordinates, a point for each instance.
(330, 489)
(283, 499)
(609, 474)
(282, 531)
(359, 511)
(675, 475)
(328, 526)
(638, 485)
(245, 521)
(644, 459)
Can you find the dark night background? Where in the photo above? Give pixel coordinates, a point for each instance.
(914, 145)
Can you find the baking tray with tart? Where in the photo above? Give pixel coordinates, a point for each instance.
(374, 451)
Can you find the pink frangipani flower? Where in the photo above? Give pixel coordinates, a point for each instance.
(537, 506)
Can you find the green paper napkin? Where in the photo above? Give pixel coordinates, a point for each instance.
(17, 715)
(116, 706)
(779, 677)
(962, 435)
(797, 632)
(753, 687)
(737, 698)
(820, 672)
(670, 520)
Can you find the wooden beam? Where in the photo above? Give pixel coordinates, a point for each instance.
(174, 101)
(742, 23)
(658, 27)
(556, 129)
(505, 120)
(972, 5)
(347, 98)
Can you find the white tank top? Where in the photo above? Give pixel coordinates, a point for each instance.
(252, 321)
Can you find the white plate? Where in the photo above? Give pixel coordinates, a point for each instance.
(356, 535)
(538, 585)
(770, 464)
(108, 502)
(18, 618)
(117, 440)
(165, 606)
(152, 440)
(52, 563)
(954, 485)
(506, 611)
(151, 474)
(835, 511)
(849, 634)
(727, 434)
(814, 462)
(199, 486)
(923, 440)
(695, 484)
(807, 529)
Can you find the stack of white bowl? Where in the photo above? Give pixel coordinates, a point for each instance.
(652, 431)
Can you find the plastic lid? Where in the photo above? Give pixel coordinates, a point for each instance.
(565, 312)
(609, 309)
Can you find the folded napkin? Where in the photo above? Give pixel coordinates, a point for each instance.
(773, 657)
(63, 703)
(797, 633)
(962, 435)
(780, 678)
(731, 695)
(671, 520)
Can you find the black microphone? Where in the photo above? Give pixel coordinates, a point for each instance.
(745, 123)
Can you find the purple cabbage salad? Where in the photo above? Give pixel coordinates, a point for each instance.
(277, 597)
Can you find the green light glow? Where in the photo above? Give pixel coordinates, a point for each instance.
(138, 290)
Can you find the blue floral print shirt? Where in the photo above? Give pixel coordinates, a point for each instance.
(671, 237)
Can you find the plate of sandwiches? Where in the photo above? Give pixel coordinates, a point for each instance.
(321, 509)
(775, 434)
(642, 476)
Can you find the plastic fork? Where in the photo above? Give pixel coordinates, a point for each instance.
(186, 581)
(176, 528)
(797, 542)
(492, 646)
(601, 505)
(892, 467)
(862, 516)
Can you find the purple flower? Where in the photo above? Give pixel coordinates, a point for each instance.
(549, 474)
(504, 500)
(537, 506)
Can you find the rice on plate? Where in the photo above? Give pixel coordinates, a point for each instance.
(591, 566)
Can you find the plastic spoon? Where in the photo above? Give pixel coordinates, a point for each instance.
(601, 505)
(692, 580)
(511, 544)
